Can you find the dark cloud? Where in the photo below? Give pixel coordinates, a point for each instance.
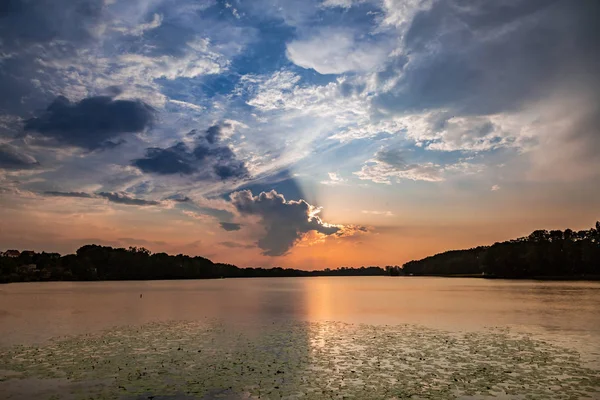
(24, 22)
(124, 198)
(285, 221)
(69, 194)
(490, 57)
(93, 122)
(283, 182)
(207, 159)
(172, 160)
(179, 198)
(36, 35)
(231, 226)
(114, 197)
(236, 169)
(13, 158)
(213, 134)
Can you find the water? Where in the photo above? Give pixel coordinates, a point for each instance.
(34, 312)
(316, 315)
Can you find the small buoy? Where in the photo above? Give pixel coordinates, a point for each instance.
(140, 295)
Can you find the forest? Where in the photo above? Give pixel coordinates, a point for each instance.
(544, 254)
(93, 262)
(541, 255)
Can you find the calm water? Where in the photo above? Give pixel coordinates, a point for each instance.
(426, 336)
(35, 312)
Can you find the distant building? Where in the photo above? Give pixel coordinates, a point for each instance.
(29, 253)
(11, 253)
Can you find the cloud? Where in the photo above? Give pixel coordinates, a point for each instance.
(492, 70)
(444, 132)
(390, 164)
(13, 159)
(92, 122)
(197, 60)
(23, 23)
(285, 221)
(230, 226)
(336, 51)
(199, 216)
(114, 197)
(69, 194)
(373, 212)
(495, 188)
(207, 160)
(213, 134)
(125, 198)
(176, 159)
(334, 179)
(138, 30)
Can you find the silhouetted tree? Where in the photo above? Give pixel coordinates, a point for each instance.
(541, 254)
(93, 262)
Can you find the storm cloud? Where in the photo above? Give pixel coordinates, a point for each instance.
(285, 221)
(488, 57)
(125, 198)
(92, 122)
(230, 226)
(113, 197)
(82, 195)
(13, 159)
(25, 22)
(207, 160)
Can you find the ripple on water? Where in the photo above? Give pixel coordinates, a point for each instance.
(308, 360)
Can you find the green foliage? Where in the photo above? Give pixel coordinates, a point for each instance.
(542, 254)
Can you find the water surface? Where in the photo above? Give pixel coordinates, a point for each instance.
(450, 338)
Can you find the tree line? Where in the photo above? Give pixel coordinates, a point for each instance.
(542, 254)
(93, 262)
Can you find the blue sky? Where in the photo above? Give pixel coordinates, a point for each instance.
(387, 129)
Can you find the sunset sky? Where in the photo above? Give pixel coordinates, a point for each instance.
(304, 133)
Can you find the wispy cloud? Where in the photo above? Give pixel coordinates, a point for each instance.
(334, 179)
(382, 213)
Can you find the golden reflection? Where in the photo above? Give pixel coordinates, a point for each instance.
(319, 308)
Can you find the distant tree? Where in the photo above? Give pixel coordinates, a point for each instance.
(541, 254)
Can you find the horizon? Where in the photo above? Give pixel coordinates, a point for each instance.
(563, 235)
(304, 134)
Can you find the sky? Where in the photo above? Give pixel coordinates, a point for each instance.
(298, 133)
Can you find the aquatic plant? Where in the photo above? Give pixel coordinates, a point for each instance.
(308, 360)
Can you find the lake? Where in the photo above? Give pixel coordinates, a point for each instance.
(524, 336)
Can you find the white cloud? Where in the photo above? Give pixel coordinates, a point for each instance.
(495, 188)
(399, 13)
(282, 92)
(187, 105)
(382, 213)
(198, 60)
(381, 172)
(200, 217)
(390, 165)
(335, 51)
(340, 3)
(139, 29)
(334, 179)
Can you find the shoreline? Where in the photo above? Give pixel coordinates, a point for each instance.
(564, 278)
(587, 278)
